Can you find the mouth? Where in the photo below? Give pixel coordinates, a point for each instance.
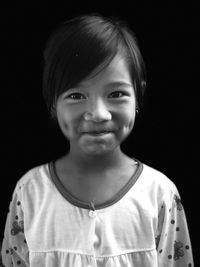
(97, 133)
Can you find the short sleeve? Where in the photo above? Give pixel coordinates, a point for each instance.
(173, 240)
(14, 248)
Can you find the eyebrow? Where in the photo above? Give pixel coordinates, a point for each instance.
(118, 83)
(110, 84)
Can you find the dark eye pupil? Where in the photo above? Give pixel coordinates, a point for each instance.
(76, 96)
(116, 94)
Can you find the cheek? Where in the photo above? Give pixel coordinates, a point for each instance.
(127, 119)
(67, 113)
(125, 123)
(67, 123)
(64, 127)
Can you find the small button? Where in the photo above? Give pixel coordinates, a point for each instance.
(92, 213)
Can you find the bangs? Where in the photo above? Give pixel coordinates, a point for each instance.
(82, 47)
(89, 48)
(88, 53)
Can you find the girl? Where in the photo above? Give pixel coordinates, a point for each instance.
(95, 206)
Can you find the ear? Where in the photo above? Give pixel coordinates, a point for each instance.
(53, 112)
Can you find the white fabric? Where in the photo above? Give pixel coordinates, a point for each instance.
(145, 228)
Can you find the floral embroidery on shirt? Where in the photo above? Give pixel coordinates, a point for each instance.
(11, 251)
(178, 252)
(178, 203)
(17, 227)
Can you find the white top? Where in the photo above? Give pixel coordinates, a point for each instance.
(143, 226)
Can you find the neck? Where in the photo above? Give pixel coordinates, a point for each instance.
(88, 163)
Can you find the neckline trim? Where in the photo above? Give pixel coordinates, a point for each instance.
(90, 206)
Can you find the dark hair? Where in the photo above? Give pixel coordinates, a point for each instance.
(83, 44)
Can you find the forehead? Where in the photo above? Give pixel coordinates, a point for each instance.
(116, 71)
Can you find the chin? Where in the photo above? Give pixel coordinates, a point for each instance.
(98, 150)
(97, 146)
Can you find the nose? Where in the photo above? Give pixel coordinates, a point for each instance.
(97, 111)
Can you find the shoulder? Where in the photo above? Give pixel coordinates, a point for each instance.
(157, 182)
(31, 188)
(157, 177)
(35, 177)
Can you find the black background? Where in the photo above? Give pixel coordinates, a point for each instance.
(165, 135)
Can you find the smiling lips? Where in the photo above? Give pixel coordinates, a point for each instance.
(98, 133)
(97, 130)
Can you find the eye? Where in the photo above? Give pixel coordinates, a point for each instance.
(117, 94)
(76, 96)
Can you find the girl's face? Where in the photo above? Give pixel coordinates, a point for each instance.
(98, 114)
